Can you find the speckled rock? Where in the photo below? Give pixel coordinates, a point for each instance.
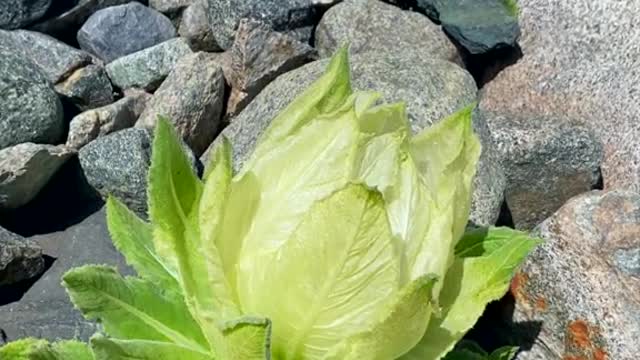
(15, 14)
(579, 66)
(294, 16)
(88, 87)
(194, 27)
(372, 25)
(25, 169)
(20, 258)
(432, 89)
(117, 165)
(55, 59)
(29, 108)
(546, 163)
(45, 310)
(258, 56)
(191, 98)
(581, 285)
(479, 25)
(170, 7)
(124, 29)
(89, 125)
(71, 15)
(147, 69)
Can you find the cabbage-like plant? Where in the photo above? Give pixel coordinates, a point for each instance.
(342, 237)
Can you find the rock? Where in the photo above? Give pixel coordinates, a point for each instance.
(25, 169)
(55, 59)
(90, 125)
(20, 259)
(124, 29)
(480, 25)
(546, 163)
(147, 69)
(30, 110)
(295, 16)
(71, 17)
(117, 165)
(194, 27)
(87, 88)
(15, 14)
(372, 25)
(432, 89)
(170, 7)
(45, 310)
(192, 99)
(258, 56)
(581, 285)
(575, 72)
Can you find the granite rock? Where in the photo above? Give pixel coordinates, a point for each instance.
(25, 169)
(372, 25)
(147, 69)
(20, 259)
(15, 14)
(121, 30)
(170, 7)
(191, 97)
(88, 87)
(194, 27)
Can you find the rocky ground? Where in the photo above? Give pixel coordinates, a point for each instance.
(557, 82)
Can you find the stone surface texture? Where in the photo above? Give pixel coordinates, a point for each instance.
(15, 14)
(20, 259)
(87, 88)
(194, 27)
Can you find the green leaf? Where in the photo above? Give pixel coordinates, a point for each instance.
(338, 273)
(399, 331)
(247, 338)
(36, 349)
(504, 353)
(130, 308)
(113, 349)
(174, 196)
(486, 260)
(134, 239)
(325, 95)
(20, 349)
(469, 350)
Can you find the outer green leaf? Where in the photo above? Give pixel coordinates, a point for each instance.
(469, 350)
(132, 308)
(134, 239)
(399, 331)
(486, 260)
(20, 349)
(247, 338)
(325, 95)
(64, 350)
(174, 196)
(504, 353)
(338, 273)
(113, 349)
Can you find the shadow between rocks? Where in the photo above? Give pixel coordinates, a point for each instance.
(66, 200)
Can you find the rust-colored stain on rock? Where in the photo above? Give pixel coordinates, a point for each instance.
(599, 354)
(517, 286)
(579, 333)
(541, 304)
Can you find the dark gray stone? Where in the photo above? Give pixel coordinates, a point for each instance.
(15, 14)
(87, 88)
(20, 259)
(55, 59)
(574, 286)
(546, 161)
(45, 310)
(258, 56)
(25, 169)
(194, 27)
(431, 88)
(372, 25)
(192, 99)
(117, 165)
(170, 7)
(124, 29)
(478, 25)
(296, 16)
(72, 16)
(30, 110)
(147, 69)
(89, 125)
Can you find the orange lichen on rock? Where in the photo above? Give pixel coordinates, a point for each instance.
(541, 304)
(580, 337)
(599, 354)
(579, 334)
(517, 286)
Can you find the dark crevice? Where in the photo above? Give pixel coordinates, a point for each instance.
(14, 292)
(599, 185)
(66, 200)
(505, 218)
(485, 67)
